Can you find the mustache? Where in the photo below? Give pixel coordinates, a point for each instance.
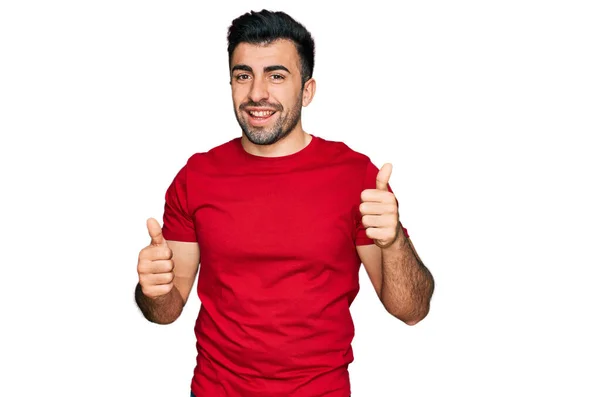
(261, 104)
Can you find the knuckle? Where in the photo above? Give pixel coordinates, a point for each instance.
(164, 253)
(155, 251)
(142, 266)
(143, 254)
(147, 282)
(164, 289)
(147, 290)
(153, 292)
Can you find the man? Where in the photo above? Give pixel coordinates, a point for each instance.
(280, 220)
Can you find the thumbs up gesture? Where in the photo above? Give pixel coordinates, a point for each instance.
(379, 210)
(155, 264)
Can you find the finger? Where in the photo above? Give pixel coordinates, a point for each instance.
(380, 221)
(376, 195)
(380, 233)
(154, 291)
(156, 252)
(369, 221)
(383, 177)
(155, 232)
(375, 233)
(156, 267)
(376, 208)
(157, 279)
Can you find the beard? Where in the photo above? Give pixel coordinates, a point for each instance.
(284, 124)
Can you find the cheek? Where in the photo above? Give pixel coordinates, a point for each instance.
(288, 100)
(238, 95)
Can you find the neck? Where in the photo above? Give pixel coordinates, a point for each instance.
(295, 141)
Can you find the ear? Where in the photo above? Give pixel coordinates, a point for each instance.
(308, 92)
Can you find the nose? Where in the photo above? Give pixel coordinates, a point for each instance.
(258, 91)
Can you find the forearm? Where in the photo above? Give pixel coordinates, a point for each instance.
(164, 309)
(407, 285)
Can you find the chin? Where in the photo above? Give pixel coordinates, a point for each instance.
(262, 137)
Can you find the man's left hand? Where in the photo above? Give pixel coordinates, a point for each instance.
(379, 210)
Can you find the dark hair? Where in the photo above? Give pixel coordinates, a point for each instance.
(264, 27)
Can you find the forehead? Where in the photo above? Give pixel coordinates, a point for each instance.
(280, 52)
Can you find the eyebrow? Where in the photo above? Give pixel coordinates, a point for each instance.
(267, 69)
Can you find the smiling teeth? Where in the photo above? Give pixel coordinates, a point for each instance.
(262, 113)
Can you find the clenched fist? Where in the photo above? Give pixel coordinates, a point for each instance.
(155, 264)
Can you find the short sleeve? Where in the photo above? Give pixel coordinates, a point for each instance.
(369, 182)
(178, 225)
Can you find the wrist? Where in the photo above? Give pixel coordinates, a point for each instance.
(399, 239)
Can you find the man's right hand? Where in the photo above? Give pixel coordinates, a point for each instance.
(155, 263)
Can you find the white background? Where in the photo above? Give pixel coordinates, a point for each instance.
(487, 110)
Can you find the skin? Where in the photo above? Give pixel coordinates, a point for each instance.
(402, 282)
(268, 78)
(167, 270)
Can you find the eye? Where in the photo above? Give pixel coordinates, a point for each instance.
(277, 77)
(242, 77)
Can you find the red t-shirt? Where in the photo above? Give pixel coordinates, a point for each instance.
(279, 266)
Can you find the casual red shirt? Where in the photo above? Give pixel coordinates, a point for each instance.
(279, 266)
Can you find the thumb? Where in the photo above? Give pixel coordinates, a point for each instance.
(155, 232)
(383, 177)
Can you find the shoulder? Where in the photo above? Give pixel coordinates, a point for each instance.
(342, 151)
(223, 152)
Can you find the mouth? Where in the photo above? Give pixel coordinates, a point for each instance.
(260, 117)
